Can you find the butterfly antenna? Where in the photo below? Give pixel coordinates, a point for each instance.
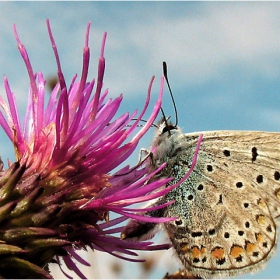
(140, 125)
(171, 94)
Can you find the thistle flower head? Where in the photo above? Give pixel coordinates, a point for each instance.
(56, 198)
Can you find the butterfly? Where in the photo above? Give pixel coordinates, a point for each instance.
(227, 209)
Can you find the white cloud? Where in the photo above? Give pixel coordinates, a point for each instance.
(202, 46)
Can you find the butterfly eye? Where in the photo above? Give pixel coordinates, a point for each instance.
(168, 128)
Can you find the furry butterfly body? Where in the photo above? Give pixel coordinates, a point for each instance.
(228, 207)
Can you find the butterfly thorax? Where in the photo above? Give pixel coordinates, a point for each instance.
(165, 148)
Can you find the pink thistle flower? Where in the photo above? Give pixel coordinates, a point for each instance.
(55, 199)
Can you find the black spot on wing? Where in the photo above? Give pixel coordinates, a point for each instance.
(254, 154)
(277, 176)
(227, 153)
(259, 179)
(209, 168)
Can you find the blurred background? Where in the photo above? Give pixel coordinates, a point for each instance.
(223, 64)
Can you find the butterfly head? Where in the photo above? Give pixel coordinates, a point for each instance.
(166, 134)
(166, 128)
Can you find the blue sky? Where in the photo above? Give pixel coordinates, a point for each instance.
(223, 60)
